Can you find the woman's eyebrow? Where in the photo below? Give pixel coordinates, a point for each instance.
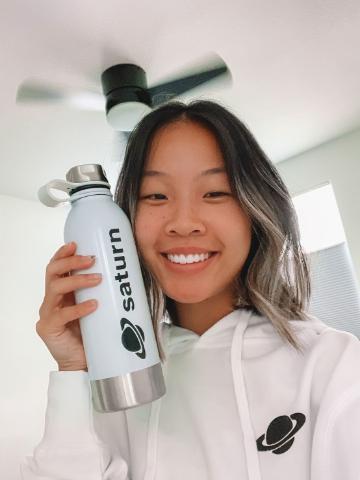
(210, 171)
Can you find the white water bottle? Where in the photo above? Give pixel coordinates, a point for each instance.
(119, 341)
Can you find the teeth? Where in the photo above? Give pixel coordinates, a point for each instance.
(188, 258)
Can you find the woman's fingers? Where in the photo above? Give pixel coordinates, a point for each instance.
(60, 287)
(59, 284)
(64, 251)
(68, 314)
(60, 267)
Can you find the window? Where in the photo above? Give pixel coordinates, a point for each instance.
(335, 295)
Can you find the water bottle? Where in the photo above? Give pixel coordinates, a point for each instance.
(123, 360)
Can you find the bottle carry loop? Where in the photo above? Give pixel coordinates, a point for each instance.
(50, 200)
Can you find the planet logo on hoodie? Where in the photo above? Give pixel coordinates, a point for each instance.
(132, 338)
(280, 433)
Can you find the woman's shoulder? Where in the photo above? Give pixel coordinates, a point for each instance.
(316, 334)
(311, 332)
(329, 352)
(333, 355)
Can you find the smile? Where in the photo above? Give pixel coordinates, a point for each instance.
(194, 266)
(188, 258)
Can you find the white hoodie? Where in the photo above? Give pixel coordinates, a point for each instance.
(241, 404)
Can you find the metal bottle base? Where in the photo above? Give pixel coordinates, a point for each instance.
(129, 390)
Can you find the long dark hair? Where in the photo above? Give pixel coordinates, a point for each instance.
(275, 279)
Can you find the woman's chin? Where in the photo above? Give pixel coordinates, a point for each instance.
(186, 297)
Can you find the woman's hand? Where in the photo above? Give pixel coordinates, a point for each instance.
(58, 325)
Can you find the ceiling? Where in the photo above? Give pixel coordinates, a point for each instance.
(295, 68)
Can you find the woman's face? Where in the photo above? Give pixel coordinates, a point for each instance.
(177, 209)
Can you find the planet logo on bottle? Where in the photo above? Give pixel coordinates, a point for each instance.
(132, 336)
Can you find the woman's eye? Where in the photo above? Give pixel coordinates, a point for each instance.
(218, 193)
(153, 195)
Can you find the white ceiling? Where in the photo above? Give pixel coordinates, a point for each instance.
(295, 67)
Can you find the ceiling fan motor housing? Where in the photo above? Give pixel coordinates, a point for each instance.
(125, 83)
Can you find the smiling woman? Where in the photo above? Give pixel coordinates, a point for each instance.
(195, 180)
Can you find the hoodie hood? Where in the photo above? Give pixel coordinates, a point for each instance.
(176, 339)
(221, 333)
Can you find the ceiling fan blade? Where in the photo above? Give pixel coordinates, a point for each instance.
(126, 136)
(35, 93)
(181, 85)
(120, 140)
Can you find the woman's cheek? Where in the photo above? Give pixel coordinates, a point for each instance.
(145, 231)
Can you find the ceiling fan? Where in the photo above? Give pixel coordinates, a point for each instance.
(126, 97)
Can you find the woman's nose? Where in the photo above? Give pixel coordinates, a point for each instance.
(184, 220)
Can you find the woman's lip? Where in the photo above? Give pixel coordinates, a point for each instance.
(189, 267)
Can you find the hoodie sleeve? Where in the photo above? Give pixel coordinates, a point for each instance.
(70, 448)
(340, 455)
(336, 438)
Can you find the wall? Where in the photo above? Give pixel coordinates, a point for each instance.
(30, 235)
(337, 161)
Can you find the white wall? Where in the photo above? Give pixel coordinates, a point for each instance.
(30, 235)
(337, 161)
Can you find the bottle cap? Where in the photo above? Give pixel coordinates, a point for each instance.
(86, 173)
(78, 176)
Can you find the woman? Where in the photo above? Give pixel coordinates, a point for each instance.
(255, 387)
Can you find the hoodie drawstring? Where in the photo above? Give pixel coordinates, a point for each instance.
(152, 438)
(251, 454)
